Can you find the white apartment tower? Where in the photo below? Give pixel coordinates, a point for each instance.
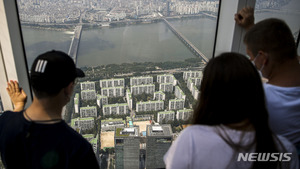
(88, 111)
(88, 94)
(87, 85)
(150, 106)
(106, 83)
(141, 80)
(167, 115)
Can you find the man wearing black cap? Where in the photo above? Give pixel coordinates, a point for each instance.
(38, 137)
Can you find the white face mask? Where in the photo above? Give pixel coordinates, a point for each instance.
(259, 71)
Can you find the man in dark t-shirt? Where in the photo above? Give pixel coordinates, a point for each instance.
(38, 138)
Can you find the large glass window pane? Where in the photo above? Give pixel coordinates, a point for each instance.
(288, 11)
(143, 61)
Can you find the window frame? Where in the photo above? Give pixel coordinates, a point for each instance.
(13, 63)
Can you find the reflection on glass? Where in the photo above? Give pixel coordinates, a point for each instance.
(143, 61)
(288, 11)
(1, 106)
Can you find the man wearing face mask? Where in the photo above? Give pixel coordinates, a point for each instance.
(272, 48)
(37, 137)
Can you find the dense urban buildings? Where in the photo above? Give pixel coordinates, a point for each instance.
(159, 139)
(127, 148)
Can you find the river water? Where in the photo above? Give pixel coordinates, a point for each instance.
(136, 43)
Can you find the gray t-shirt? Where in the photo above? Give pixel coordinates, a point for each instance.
(201, 146)
(283, 104)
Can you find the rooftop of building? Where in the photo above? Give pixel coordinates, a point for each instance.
(150, 101)
(166, 112)
(142, 85)
(115, 105)
(166, 75)
(141, 77)
(116, 87)
(112, 120)
(80, 119)
(192, 71)
(176, 100)
(159, 130)
(88, 107)
(87, 82)
(88, 91)
(127, 132)
(111, 79)
(166, 84)
(185, 110)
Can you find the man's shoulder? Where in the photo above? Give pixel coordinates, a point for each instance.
(8, 115)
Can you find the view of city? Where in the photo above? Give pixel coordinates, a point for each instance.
(143, 61)
(130, 112)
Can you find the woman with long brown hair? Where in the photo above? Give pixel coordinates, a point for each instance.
(231, 123)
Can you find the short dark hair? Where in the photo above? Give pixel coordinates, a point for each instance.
(231, 91)
(272, 36)
(51, 72)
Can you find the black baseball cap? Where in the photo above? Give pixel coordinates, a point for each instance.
(52, 71)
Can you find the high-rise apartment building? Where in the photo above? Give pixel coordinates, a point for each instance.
(193, 88)
(196, 81)
(83, 123)
(176, 104)
(88, 111)
(150, 106)
(179, 93)
(88, 94)
(87, 85)
(165, 115)
(184, 114)
(159, 95)
(113, 91)
(118, 108)
(102, 100)
(141, 80)
(129, 99)
(166, 78)
(127, 148)
(105, 83)
(159, 140)
(188, 74)
(140, 89)
(111, 124)
(76, 103)
(166, 87)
